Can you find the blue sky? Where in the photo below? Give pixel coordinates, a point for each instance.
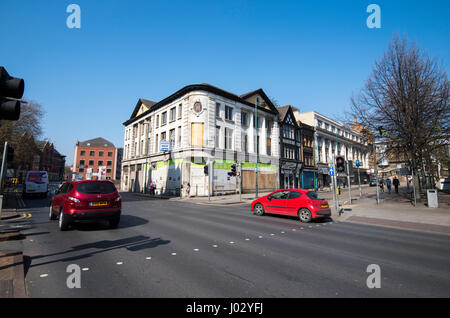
(310, 54)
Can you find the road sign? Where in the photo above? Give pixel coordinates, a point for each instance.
(331, 171)
(357, 163)
(164, 145)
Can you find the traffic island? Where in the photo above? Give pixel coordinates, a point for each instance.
(12, 277)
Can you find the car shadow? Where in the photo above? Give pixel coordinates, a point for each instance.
(294, 218)
(126, 221)
(133, 244)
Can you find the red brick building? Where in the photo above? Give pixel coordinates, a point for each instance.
(49, 159)
(91, 155)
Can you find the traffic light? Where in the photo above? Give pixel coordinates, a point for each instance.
(11, 90)
(9, 154)
(205, 169)
(233, 170)
(340, 164)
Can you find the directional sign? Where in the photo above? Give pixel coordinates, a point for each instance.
(164, 145)
(331, 171)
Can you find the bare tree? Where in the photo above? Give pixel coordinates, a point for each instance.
(405, 103)
(23, 133)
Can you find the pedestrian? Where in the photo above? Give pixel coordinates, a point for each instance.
(154, 187)
(152, 190)
(188, 190)
(381, 184)
(388, 184)
(396, 183)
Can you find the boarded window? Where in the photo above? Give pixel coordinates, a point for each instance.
(197, 134)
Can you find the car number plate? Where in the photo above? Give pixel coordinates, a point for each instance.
(99, 203)
(324, 206)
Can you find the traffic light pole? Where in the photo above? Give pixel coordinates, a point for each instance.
(359, 182)
(334, 180)
(349, 183)
(5, 150)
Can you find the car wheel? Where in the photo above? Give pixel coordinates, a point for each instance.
(304, 215)
(114, 223)
(51, 215)
(63, 222)
(259, 209)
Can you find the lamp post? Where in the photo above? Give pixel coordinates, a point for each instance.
(146, 125)
(375, 169)
(257, 146)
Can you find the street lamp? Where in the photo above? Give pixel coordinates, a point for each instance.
(257, 145)
(146, 125)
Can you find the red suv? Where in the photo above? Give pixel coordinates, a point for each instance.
(86, 200)
(305, 204)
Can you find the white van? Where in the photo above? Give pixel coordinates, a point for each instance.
(36, 183)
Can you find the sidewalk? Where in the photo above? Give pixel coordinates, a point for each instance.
(396, 210)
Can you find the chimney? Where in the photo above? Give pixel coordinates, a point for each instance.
(355, 121)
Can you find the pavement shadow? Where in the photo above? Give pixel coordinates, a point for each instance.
(135, 243)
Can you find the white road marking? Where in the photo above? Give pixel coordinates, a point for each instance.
(85, 269)
(43, 275)
(247, 239)
(196, 249)
(282, 232)
(214, 245)
(231, 242)
(259, 236)
(148, 257)
(294, 230)
(173, 254)
(119, 263)
(271, 234)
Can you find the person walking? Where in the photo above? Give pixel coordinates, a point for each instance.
(388, 185)
(396, 183)
(381, 184)
(152, 189)
(188, 190)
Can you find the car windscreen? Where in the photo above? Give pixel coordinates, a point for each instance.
(37, 177)
(314, 196)
(96, 187)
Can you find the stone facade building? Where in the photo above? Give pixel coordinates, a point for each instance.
(169, 143)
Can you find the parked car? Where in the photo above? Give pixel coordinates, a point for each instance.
(35, 183)
(86, 200)
(373, 182)
(305, 204)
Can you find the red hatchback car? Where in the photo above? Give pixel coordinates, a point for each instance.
(86, 200)
(305, 204)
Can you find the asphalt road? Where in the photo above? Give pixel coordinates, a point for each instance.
(178, 249)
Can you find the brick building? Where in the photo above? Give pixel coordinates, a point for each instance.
(49, 159)
(91, 155)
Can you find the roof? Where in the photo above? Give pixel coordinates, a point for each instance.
(96, 142)
(283, 112)
(141, 101)
(204, 87)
